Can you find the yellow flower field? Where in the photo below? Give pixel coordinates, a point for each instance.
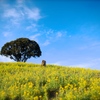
(25, 81)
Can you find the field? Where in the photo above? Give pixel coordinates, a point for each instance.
(25, 81)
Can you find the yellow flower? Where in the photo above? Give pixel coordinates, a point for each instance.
(48, 80)
(56, 93)
(25, 93)
(56, 78)
(30, 84)
(75, 89)
(25, 86)
(36, 98)
(66, 87)
(60, 98)
(40, 96)
(2, 93)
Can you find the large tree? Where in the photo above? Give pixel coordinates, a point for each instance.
(21, 49)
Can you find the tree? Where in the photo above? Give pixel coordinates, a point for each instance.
(21, 49)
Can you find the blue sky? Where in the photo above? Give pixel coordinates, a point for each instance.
(67, 31)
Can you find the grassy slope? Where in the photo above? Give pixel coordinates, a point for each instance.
(33, 82)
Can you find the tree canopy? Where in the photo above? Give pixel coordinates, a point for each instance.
(21, 49)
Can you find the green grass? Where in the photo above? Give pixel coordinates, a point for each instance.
(26, 81)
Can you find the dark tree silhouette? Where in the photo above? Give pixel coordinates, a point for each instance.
(21, 49)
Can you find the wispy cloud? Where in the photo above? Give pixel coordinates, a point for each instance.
(20, 1)
(33, 13)
(13, 13)
(47, 42)
(57, 63)
(7, 34)
(5, 59)
(97, 43)
(59, 34)
(55, 34)
(50, 31)
(19, 18)
(20, 12)
(90, 45)
(33, 28)
(35, 37)
(89, 64)
(52, 36)
(30, 13)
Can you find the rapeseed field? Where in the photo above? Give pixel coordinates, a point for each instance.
(26, 81)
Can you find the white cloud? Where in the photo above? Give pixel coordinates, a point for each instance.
(11, 13)
(12, 16)
(59, 34)
(54, 34)
(5, 59)
(6, 34)
(57, 63)
(46, 43)
(19, 1)
(97, 43)
(91, 45)
(50, 31)
(21, 12)
(35, 36)
(32, 27)
(89, 64)
(15, 22)
(33, 13)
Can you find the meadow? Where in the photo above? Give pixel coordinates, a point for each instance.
(26, 81)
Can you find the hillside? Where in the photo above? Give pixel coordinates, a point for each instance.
(24, 81)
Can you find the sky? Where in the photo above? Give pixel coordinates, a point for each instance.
(67, 31)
